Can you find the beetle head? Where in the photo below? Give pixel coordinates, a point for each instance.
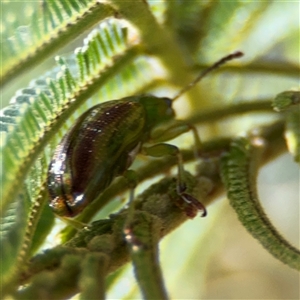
(158, 110)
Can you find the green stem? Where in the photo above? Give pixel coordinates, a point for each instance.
(161, 44)
(143, 247)
(35, 213)
(60, 284)
(239, 171)
(210, 115)
(92, 277)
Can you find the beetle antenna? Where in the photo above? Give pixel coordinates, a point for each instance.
(216, 65)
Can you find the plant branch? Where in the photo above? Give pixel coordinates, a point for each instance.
(239, 171)
(106, 236)
(209, 115)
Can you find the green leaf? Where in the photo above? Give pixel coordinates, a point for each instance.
(239, 171)
(13, 225)
(52, 26)
(289, 101)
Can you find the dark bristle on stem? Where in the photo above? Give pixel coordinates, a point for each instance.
(216, 65)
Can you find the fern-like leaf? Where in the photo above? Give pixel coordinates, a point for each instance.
(54, 25)
(12, 225)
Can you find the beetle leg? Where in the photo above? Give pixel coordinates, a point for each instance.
(72, 222)
(130, 158)
(197, 140)
(174, 129)
(160, 150)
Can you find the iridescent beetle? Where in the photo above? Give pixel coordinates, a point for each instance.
(103, 143)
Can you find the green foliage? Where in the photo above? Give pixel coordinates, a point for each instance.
(289, 101)
(239, 170)
(13, 225)
(122, 48)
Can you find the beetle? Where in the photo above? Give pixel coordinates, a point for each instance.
(103, 143)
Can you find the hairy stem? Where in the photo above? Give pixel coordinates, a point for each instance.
(239, 172)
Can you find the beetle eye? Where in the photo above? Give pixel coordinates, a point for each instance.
(168, 101)
(169, 110)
